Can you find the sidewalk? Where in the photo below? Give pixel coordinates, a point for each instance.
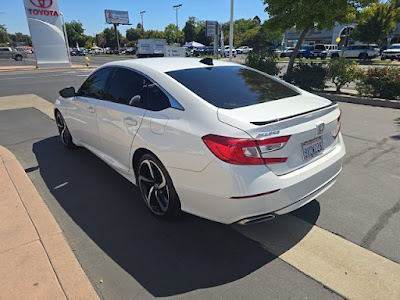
(36, 261)
(29, 68)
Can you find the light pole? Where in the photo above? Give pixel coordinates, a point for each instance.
(66, 37)
(231, 33)
(141, 15)
(176, 7)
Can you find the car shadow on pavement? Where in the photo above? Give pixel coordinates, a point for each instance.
(166, 258)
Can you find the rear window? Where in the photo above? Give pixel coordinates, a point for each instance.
(232, 87)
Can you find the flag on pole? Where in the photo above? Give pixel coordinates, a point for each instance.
(77, 46)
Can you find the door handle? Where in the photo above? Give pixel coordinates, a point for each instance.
(91, 109)
(130, 122)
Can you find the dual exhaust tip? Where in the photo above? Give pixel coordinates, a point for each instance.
(256, 219)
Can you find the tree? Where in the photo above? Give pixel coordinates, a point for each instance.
(75, 32)
(173, 34)
(189, 31)
(305, 15)
(375, 22)
(3, 35)
(154, 34)
(19, 37)
(109, 34)
(133, 34)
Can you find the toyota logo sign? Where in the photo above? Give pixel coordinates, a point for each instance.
(42, 3)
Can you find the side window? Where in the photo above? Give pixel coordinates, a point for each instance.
(157, 99)
(127, 87)
(95, 85)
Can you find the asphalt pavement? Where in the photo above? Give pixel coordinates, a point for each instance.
(128, 254)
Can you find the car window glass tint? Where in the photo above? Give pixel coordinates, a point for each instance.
(127, 87)
(233, 86)
(157, 99)
(95, 85)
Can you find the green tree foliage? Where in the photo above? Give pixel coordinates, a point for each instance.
(305, 15)
(109, 34)
(154, 34)
(173, 34)
(3, 35)
(201, 33)
(375, 22)
(189, 31)
(133, 34)
(19, 37)
(263, 61)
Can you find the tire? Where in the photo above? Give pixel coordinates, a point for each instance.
(157, 189)
(18, 57)
(65, 135)
(323, 56)
(335, 56)
(363, 56)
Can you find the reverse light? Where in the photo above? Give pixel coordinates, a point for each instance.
(335, 134)
(245, 151)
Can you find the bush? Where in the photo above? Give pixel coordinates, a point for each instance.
(341, 72)
(380, 82)
(263, 61)
(309, 76)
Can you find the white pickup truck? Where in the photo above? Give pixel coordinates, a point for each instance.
(7, 52)
(357, 51)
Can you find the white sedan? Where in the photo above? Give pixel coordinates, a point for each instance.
(215, 139)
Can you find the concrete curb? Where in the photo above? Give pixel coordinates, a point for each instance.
(360, 100)
(59, 271)
(30, 68)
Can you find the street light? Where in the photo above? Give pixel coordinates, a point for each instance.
(141, 15)
(176, 7)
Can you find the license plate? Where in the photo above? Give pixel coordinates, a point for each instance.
(312, 148)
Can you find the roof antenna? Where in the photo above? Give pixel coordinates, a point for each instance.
(207, 61)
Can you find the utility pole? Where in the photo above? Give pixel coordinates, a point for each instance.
(231, 33)
(141, 14)
(176, 7)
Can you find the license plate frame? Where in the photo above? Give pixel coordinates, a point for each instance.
(312, 148)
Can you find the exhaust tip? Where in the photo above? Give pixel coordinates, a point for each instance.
(256, 219)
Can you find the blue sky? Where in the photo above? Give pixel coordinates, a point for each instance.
(159, 13)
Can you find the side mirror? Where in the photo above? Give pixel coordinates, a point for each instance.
(68, 92)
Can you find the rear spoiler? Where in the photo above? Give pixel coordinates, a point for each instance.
(329, 106)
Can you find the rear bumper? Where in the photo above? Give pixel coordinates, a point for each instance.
(208, 193)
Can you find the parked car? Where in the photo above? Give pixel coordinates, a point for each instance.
(244, 50)
(306, 51)
(225, 52)
(130, 51)
(257, 147)
(393, 52)
(208, 50)
(289, 51)
(357, 51)
(276, 52)
(7, 52)
(320, 50)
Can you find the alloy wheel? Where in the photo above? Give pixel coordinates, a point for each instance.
(62, 129)
(154, 187)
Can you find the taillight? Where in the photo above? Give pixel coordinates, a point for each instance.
(338, 126)
(245, 151)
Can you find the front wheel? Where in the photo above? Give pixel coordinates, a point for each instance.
(156, 188)
(18, 58)
(65, 135)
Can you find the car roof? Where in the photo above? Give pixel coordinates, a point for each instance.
(166, 64)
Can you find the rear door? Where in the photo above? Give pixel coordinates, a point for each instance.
(120, 115)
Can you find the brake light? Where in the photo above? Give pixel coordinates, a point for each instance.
(245, 151)
(338, 126)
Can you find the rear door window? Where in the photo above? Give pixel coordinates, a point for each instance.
(232, 86)
(127, 87)
(157, 100)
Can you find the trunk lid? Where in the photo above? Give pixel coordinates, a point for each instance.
(297, 117)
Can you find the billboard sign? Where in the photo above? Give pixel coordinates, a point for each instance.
(117, 17)
(211, 28)
(46, 29)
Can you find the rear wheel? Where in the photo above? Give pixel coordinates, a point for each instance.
(18, 58)
(363, 56)
(335, 56)
(156, 188)
(65, 135)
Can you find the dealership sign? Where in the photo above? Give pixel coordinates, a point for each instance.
(46, 28)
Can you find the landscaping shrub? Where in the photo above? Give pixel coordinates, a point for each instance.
(263, 61)
(309, 76)
(341, 72)
(380, 82)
